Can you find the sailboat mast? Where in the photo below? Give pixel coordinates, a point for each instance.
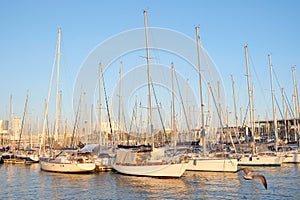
(201, 92)
(120, 102)
(249, 90)
(57, 86)
(27, 128)
(92, 121)
(11, 119)
(273, 104)
(296, 102)
(235, 111)
(149, 77)
(59, 127)
(284, 114)
(208, 105)
(252, 119)
(22, 124)
(173, 105)
(48, 99)
(100, 104)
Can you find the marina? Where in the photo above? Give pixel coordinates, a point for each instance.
(148, 113)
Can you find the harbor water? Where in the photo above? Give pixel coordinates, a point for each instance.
(29, 182)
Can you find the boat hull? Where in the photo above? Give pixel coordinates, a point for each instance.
(174, 170)
(261, 161)
(67, 167)
(213, 165)
(293, 157)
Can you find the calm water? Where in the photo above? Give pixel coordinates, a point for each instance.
(29, 182)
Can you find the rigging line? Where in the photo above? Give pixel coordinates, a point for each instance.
(259, 83)
(107, 108)
(276, 78)
(124, 120)
(184, 110)
(290, 110)
(248, 107)
(215, 103)
(133, 117)
(285, 96)
(211, 77)
(281, 114)
(166, 137)
(75, 123)
(48, 133)
(22, 125)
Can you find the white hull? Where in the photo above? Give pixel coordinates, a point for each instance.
(67, 167)
(292, 157)
(261, 160)
(153, 170)
(212, 164)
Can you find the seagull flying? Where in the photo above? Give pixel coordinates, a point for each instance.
(250, 176)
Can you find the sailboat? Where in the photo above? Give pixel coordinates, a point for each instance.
(292, 153)
(201, 161)
(21, 155)
(66, 161)
(263, 158)
(105, 156)
(69, 161)
(147, 160)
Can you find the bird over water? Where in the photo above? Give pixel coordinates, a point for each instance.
(250, 176)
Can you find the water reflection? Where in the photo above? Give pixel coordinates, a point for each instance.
(148, 187)
(29, 182)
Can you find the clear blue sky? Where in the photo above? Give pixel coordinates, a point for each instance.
(29, 32)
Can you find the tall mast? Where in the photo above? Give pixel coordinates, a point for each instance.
(252, 119)
(149, 77)
(273, 103)
(22, 124)
(27, 128)
(284, 114)
(208, 105)
(249, 91)
(92, 122)
(12, 135)
(200, 91)
(120, 103)
(85, 131)
(296, 103)
(173, 105)
(59, 127)
(100, 104)
(235, 111)
(220, 108)
(57, 86)
(48, 99)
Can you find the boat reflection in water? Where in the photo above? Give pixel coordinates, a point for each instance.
(29, 182)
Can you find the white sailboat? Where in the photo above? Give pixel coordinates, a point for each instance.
(212, 164)
(291, 155)
(147, 161)
(202, 161)
(69, 161)
(261, 158)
